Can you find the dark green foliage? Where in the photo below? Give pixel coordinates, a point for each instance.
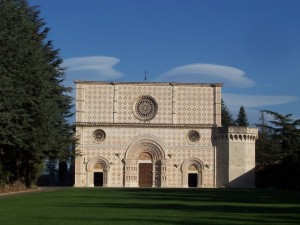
(278, 146)
(226, 115)
(242, 119)
(285, 131)
(33, 103)
(267, 149)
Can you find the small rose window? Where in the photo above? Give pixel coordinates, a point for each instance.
(193, 136)
(99, 135)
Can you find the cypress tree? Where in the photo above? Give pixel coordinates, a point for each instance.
(242, 119)
(34, 105)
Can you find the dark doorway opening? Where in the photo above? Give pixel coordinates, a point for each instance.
(98, 179)
(193, 179)
(145, 175)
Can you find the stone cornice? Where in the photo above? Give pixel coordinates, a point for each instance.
(143, 125)
(149, 83)
(239, 130)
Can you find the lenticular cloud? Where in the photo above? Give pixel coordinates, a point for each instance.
(92, 68)
(256, 101)
(208, 73)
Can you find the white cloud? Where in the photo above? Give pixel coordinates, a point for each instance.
(256, 101)
(92, 68)
(96, 68)
(208, 73)
(102, 64)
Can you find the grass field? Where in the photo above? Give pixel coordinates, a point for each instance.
(151, 206)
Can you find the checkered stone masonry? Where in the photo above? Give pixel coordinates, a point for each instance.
(194, 104)
(97, 104)
(178, 122)
(127, 96)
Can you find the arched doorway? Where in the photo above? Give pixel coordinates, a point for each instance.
(145, 165)
(192, 173)
(98, 175)
(97, 172)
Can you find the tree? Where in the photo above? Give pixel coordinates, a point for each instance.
(34, 105)
(268, 164)
(285, 130)
(226, 115)
(267, 149)
(242, 119)
(282, 142)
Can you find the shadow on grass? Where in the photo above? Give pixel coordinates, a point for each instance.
(237, 219)
(184, 206)
(93, 206)
(220, 195)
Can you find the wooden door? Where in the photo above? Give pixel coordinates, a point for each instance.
(145, 175)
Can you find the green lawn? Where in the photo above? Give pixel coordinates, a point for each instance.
(151, 206)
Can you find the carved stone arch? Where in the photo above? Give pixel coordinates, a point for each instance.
(135, 165)
(97, 166)
(192, 161)
(151, 138)
(146, 144)
(91, 163)
(192, 167)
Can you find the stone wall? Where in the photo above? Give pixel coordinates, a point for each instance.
(176, 125)
(102, 102)
(236, 157)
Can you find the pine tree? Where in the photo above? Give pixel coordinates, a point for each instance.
(242, 119)
(267, 149)
(279, 143)
(285, 130)
(226, 115)
(34, 106)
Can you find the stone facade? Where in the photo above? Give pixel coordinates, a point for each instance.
(158, 135)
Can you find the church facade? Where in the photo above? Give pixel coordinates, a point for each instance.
(158, 135)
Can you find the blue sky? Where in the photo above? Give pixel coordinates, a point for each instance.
(252, 46)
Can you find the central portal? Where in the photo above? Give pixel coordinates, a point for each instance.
(144, 162)
(145, 175)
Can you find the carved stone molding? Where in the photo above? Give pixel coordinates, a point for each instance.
(137, 125)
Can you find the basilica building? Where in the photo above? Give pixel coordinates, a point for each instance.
(158, 135)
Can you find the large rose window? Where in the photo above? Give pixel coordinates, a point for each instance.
(145, 108)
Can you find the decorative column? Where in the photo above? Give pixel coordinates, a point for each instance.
(154, 174)
(199, 179)
(105, 180)
(157, 178)
(185, 179)
(164, 182)
(131, 173)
